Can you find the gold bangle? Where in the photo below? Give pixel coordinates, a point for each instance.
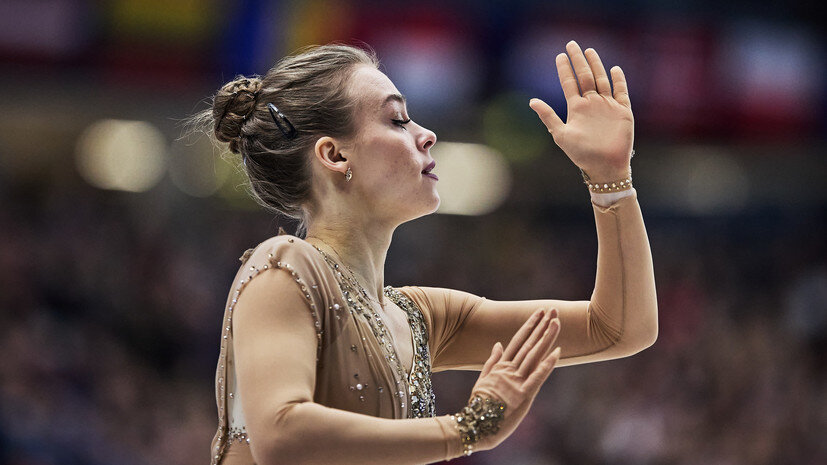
(480, 418)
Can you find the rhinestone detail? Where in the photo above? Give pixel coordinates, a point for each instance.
(418, 383)
(240, 434)
(423, 400)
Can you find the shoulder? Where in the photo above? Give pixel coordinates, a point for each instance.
(279, 280)
(290, 254)
(307, 275)
(285, 251)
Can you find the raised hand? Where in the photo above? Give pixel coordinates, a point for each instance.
(514, 375)
(599, 131)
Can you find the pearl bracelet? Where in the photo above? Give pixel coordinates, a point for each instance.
(611, 186)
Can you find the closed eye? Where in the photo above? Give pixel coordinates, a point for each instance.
(401, 122)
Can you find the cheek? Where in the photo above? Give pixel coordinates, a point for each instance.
(395, 181)
(395, 164)
(393, 169)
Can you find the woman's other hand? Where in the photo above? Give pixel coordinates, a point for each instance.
(599, 131)
(514, 375)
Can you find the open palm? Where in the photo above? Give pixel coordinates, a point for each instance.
(599, 131)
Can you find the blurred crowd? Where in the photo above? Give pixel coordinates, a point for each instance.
(112, 301)
(112, 310)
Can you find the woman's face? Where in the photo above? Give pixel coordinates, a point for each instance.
(389, 153)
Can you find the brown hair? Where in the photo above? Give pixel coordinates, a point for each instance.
(311, 90)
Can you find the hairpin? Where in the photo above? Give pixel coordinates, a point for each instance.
(282, 122)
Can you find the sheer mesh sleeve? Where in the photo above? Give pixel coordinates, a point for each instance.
(446, 312)
(620, 318)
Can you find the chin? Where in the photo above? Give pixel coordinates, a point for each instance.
(430, 209)
(436, 204)
(433, 203)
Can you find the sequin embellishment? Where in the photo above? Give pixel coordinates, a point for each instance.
(416, 386)
(423, 400)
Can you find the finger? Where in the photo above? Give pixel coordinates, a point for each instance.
(585, 77)
(621, 93)
(554, 315)
(519, 338)
(547, 115)
(566, 75)
(540, 350)
(538, 377)
(600, 77)
(496, 353)
(532, 341)
(553, 338)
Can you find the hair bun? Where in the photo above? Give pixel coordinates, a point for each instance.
(232, 105)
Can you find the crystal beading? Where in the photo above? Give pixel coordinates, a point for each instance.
(480, 418)
(423, 400)
(418, 382)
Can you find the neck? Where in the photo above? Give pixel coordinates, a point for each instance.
(362, 247)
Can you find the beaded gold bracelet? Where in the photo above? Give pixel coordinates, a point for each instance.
(612, 186)
(480, 418)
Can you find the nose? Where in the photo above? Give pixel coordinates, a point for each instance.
(427, 139)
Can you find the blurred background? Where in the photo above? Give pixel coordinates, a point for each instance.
(120, 235)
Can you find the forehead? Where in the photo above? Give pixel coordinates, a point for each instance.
(371, 87)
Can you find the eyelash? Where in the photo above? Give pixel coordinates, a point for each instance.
(401, 123)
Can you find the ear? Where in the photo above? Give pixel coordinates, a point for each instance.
(328, 151)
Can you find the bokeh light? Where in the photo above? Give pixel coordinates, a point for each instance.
(473, 179)
(122, 155)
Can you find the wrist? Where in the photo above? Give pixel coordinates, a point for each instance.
(609, 181)
(453, 441)
(608, 173)
(479, 419)
(608, 198)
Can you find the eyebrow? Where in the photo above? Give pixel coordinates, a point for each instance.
(395, 98)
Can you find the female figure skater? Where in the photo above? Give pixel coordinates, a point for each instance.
(321, 362)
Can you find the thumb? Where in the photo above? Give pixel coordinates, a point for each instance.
(496, 354)
(547, 115)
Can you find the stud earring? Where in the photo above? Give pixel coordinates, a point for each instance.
(348, 174)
